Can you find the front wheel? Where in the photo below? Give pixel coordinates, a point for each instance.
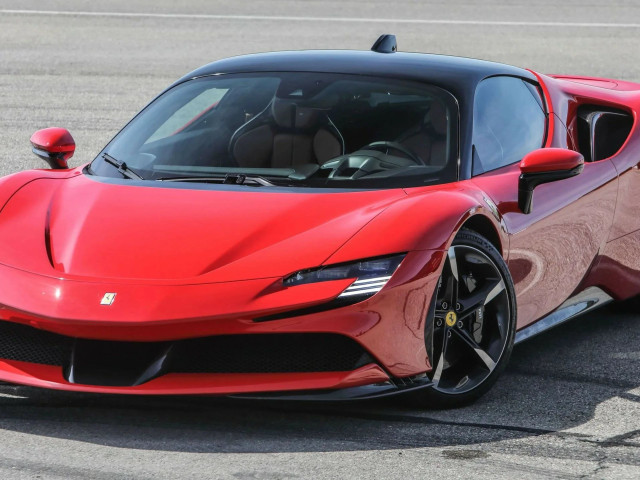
(470, 328)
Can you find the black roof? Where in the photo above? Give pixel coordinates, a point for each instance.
(456, 74)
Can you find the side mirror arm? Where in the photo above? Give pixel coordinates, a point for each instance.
(55, 160)
(529, 181)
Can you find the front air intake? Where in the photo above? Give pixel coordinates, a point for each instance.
(100, 362)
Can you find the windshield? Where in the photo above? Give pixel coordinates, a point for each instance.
(291, 129)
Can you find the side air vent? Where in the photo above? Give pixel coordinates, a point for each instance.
(602, 131)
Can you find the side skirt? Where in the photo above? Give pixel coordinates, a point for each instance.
(592, 297)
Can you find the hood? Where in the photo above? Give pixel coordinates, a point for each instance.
(83, 227)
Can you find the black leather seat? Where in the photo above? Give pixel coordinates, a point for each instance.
(285, 135)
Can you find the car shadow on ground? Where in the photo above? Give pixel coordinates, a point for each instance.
(554, 382)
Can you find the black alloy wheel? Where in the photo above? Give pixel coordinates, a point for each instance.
(470, 330)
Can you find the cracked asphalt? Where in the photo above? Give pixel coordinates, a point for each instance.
(568, 405)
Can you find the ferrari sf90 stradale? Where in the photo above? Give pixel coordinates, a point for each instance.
(322, 224)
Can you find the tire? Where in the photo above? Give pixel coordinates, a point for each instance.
(630, 305)
(470, 328)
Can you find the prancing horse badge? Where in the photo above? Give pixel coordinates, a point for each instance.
(108, 299)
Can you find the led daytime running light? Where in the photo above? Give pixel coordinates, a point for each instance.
(371, 275)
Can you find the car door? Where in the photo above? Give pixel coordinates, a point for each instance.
(553, 248)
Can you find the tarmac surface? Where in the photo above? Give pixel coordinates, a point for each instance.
(568, 405)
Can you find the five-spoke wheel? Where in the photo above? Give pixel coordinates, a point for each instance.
(470, 330)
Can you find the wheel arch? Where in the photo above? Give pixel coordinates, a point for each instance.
(484, 226)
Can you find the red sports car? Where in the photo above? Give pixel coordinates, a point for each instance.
(322, 224)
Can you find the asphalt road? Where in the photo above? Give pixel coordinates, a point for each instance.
(568, 405)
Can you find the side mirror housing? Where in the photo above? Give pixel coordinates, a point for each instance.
(54, 145)
(543, 166)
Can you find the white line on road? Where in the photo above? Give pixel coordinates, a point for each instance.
(415, 21)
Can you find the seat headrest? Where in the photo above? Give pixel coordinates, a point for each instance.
(287, 114)
(437, 115)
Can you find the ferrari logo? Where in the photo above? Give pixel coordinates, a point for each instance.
(451, 318)
(108, 299)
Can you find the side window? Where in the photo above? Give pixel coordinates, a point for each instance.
(508, 122)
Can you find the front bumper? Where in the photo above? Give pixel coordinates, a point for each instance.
(47, 376)
(388, 329)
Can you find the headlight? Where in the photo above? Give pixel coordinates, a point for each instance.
(371, 275)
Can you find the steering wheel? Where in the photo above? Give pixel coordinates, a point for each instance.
(384, 147)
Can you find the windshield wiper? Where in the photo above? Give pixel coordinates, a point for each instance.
(300, 172)
(227, 179)
(122, 167)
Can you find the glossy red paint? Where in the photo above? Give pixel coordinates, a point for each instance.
(188, 297)
(83, 216)
(57, 141)
(158, 312)
(551, 160)
(555, 128)
(618, 255)
(552, 249)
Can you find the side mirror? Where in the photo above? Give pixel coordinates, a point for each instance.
(543, 166)
(54, 145)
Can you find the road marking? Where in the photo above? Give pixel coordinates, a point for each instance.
(281, 18)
